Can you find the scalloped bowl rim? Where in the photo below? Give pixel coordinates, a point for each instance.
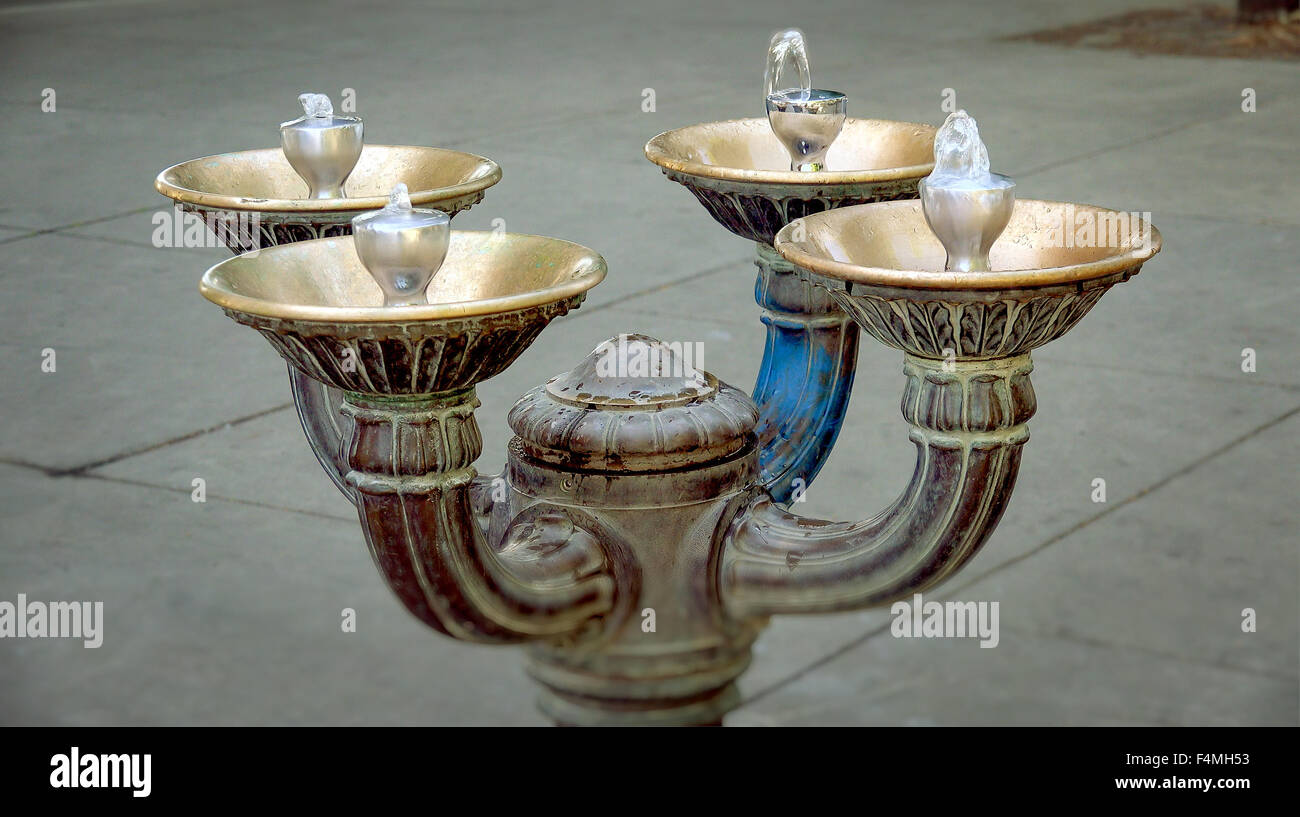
(165, 183)
(1031, 278)
(656, 152)
(589, 266)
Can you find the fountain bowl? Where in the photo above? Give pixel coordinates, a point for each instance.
(321, 309)
(883, 265)
(262, 184)
(740, 171)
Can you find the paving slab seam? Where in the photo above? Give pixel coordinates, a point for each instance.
(120, 242)
(1150, 137)
(686, 279)
(11, 239)
(75, 5)
(713, 319)
(1076, 638)
(75, 225)
(31, 466)
(1261, 222)
(81, 470)
(848, 647)
(210, 496)
(1129, 500)
(170, 489)
(692, 100)
(1252, 381)
(812, 666)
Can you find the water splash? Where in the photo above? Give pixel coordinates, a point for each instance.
(966, 205)
(786, 45)
(959, 153)
(316, 106)
(399, 201)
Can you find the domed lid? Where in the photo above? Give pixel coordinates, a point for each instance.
(635, 404)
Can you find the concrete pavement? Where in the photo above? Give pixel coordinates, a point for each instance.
(227, 611)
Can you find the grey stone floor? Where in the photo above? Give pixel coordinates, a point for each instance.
(1127, 611)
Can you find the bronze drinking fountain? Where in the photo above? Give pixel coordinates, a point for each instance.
(641, 484)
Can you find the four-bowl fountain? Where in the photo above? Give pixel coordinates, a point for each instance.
(658, 496)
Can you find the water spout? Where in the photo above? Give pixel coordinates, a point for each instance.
(806, 120)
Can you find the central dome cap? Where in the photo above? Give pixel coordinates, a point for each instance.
(634, 404)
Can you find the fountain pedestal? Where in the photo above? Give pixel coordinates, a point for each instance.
(640, 539)
(659, 461)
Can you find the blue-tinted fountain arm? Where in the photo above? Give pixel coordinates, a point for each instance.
(804, 382)
(812, 347)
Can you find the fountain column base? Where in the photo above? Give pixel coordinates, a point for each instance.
(691, 687)
(674, 656)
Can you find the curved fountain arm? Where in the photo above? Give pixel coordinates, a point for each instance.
(806, 376)
(318, 411)
(968, 423)
(410, 460)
